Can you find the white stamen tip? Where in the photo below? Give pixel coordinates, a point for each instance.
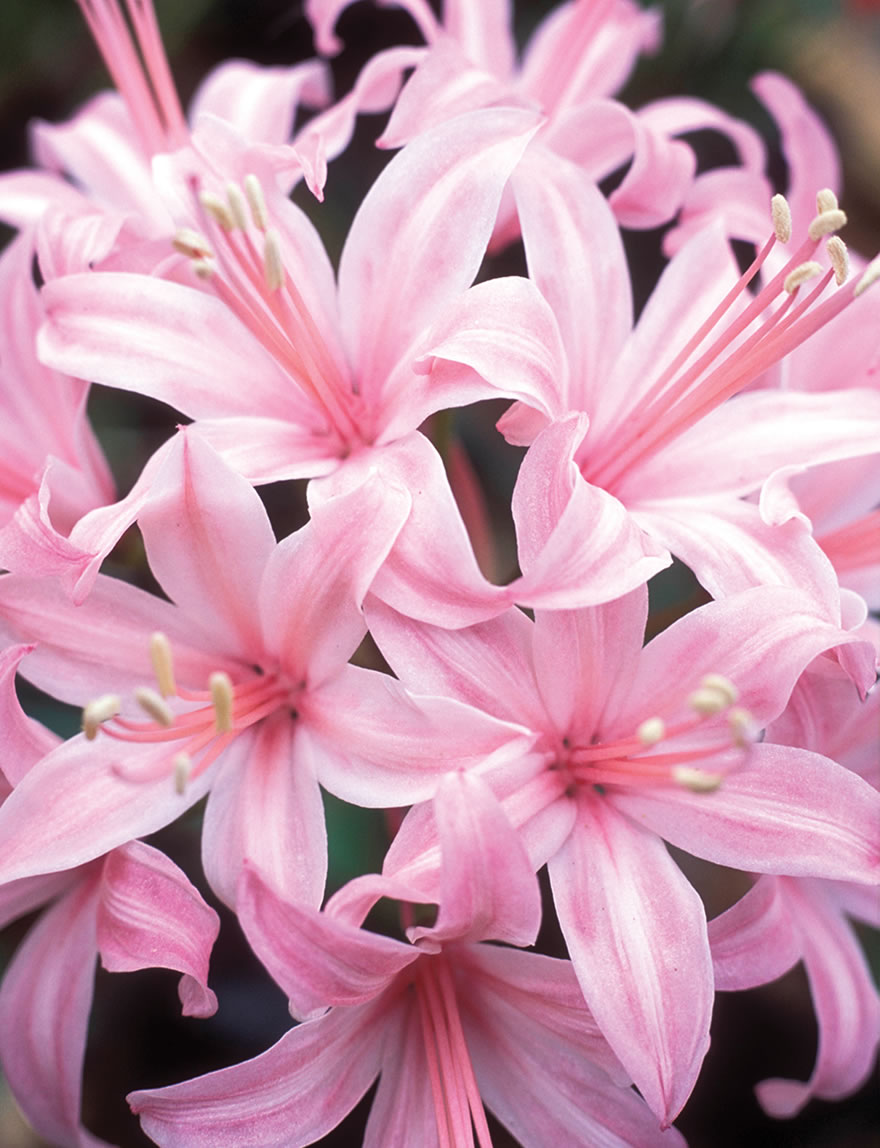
(696, 780)
(826, 200)
(203, 268)
(273, 266)
(742, 727)
(780, 213)
(253, 189)
(221, 699)
(651, 731)
(871, 275)
(191, 243)
(802, 274)
(182, 770)
(825, 223)
(723, 685)
(839, 257)
(237, 205)
(708, 700)
(98, 711)
(163, 664)
(157, 708)
(218, 209)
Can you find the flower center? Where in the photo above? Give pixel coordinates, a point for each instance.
(196, 736)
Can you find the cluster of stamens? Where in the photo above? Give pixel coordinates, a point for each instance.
(222, 712)
(725, 354)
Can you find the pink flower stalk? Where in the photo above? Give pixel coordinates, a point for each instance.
(445, 1022)
(249, 663)
(634, 746)
(134, 908)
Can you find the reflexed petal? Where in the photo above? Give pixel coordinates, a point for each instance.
(754, 941)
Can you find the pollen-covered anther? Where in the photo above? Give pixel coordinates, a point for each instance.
(723, 685)
(871, 275)
(743, 727)
(839, 259)
(218, 209)
(780, 213)
(163, 664)
(651, 731)
(237, 205)
(696, 780)
(203, 268)
(253, 189)
(100, 710)
(192, 244)
(825, 223)
(715, 694)
(222, 698)
(826, 200)
(155, 706)
(272, 262)
(182, 769)
(802, 274)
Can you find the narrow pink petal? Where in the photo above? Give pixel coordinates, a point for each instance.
(754, 941)
(489, 889)
(208, 540)
(23, 741)
(484, 31)
(636, 932)
(316, 959)
(403, 1113)
(846, 1001)
(783, 811)
(150, 916)
(681, 114)
(393, 746)
(25, 195)
(279, 1099)
(578, 545)
(261, 103)
(315, 582)
(265, 809)
(44, 1009)
(269, 449)
(420, 235)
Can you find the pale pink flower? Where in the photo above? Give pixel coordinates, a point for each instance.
(445, 1022)
(636, 746)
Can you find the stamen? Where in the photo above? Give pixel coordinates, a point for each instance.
(826, 200)
(163, 664)
(724, 686)
(742, 727)
(696, 780)
(780, 213)
(203, 269)
(839, 257)
(708, 701)
(802, 274)
(254, 191)
(191, 243)
(651, 731)
(154, 706)
(272, 262)
(218, 209)
(871, 275)
(98, 711)
(237, 205)
(222, 697)
(182, 769)
(825, 223)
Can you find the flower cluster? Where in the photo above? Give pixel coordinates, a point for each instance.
(503, 726)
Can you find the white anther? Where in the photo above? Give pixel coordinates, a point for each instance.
(742, 727)
(780, 213)
(696, 780)
(723, 685)
(802, 274)
(826, 200)
(218, 209)
(839, 257)
(157, 708)
(273, 267)
(203, 268)
(99, 710)
(182, 770)
(191, 243)
(871, 275)
(163, 664)
(825, 223)
(651, 731)
(708, 700)
(237, 205)
(221, 699)
(253, 189)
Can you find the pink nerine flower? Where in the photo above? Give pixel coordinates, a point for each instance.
(636, 746)
(445, 1022)
(249, 663)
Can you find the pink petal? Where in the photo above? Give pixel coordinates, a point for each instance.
(23, 741)
(636, 932)
(268, 449)
(259, 102)
(150, 916)
(403, 1112)
(754, 941)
